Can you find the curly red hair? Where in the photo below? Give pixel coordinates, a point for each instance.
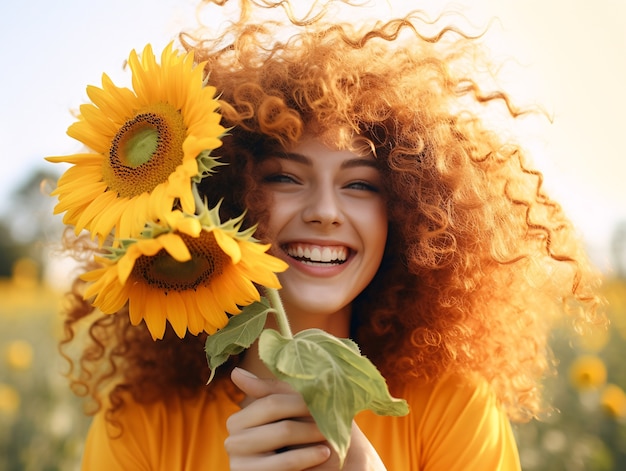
(479, 261)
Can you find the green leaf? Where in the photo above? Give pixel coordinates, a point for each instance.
(335, 381)
(240, 332)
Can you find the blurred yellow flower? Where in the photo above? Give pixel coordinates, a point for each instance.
(9, 399)
(587, 372)
(25, 273)
(613, 401)
(19, 355)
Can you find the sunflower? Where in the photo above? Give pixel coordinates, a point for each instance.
(588, 372)
(613, 401)
(147, 146)
(191, 272)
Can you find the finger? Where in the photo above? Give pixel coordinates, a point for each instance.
(292, 460)
(257, 387)
(268, 409)
(268, 438)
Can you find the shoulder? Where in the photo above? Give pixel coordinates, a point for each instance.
(454, 423)
(462, 414)
(451, 395)
(146, 436)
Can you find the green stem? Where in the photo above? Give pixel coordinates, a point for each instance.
(279, 312)
(196, 196)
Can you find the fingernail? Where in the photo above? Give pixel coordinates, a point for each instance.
(245, 373)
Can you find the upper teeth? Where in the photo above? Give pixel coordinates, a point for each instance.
(318, 254)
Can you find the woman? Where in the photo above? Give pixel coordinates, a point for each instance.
(407, 225)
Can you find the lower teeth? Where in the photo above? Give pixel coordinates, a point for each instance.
(319, 264)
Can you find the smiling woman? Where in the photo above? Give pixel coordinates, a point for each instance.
(324, 200)
(404, 222)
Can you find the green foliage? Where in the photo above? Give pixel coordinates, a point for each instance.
(334, 379)
(240, 332)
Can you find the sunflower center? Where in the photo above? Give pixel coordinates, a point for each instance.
(140, 146)
(163, 272)
(146, 150)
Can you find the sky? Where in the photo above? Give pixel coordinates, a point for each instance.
(567, 55)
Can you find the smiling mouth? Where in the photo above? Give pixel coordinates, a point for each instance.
(316, 255)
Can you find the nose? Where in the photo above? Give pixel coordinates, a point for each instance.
(323, 206)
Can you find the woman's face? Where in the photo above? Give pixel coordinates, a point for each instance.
(328, 221)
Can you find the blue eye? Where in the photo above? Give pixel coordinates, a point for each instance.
(363, 186)
(279, 178)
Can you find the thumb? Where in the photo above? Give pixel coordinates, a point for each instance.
(256, 387)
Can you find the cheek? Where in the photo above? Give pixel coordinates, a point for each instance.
(377, 243)
(377, 228)
(374, 232)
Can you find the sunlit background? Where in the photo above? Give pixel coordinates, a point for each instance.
(566, 55)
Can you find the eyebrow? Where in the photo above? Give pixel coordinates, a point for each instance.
(349, 163)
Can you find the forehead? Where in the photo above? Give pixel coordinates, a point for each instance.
(313, 154)
(311, 146)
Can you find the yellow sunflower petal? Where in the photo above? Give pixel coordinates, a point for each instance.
(231, 293)
(228, 245)
(125, 266)
(83, 159)
(147, 247)
(194, 316)
(84, 132)
(176, 313)
(99, 204)
(114, 102)
(121, 98)
(258, 253)
(108, 218)
(179, 185)
(90, 174)
(110, 295)
(82, 183)
(70, 200)
(175, 246)
(137, 303)
(133, 218)
(115, 299)
(160, 203)
(214, 314)
(187, 225)
(154, 314)
(126, 263)
(97, 276)
(190, 226)
(97, 119)
(141, 80)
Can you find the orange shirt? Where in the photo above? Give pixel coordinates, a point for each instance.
(452, 425)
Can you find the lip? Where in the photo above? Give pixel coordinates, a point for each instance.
(324, 270)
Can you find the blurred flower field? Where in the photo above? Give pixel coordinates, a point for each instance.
(42, 426)
(587, 429)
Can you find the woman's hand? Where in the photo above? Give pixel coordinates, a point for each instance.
(274, 431)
